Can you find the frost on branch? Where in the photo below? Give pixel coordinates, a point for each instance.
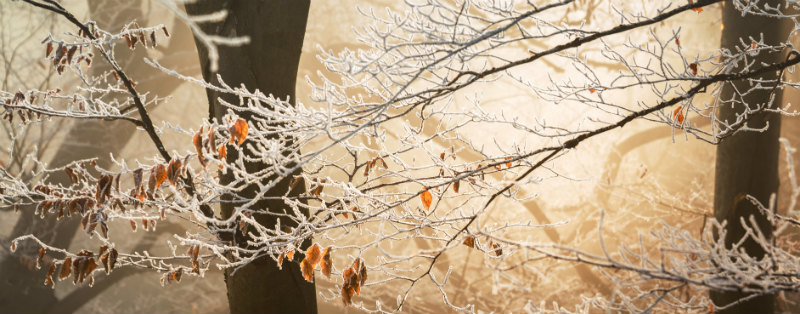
(403, 178)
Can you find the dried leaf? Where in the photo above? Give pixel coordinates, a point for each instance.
(290, 255)
(307, 269)
(65, 269)
(456, 186)
(48, 280)
(238, 132)
(693, 66)
(470, 241)
(197, 141)
(677, 115)
(39, 258)
(326, 264)
(222, 152)
(160, 175)
(173, 171)
(426, 198)
(313, 255)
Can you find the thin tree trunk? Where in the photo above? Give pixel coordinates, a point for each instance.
(268, 63)
(747, 162)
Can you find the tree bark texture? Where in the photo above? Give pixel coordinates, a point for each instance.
(747, 162)
(268, 63)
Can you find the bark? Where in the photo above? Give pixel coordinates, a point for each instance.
(268, 63)
(747, 162)
(22, 288)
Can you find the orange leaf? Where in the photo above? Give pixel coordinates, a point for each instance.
(173, 170)
(592, 90)
(308, 270)
(313, 255)
(677, 115)
(455, 186)
(326, 264)
(238, 131)
(222, 152)
(160, 174)
(65, 269)
(678, 41)
(508, 164)
(280, 260)
(470, 241)
(426, 198)
(197, 141)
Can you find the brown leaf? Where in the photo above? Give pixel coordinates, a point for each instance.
(137, 184)
(222, 152)
(238, 131)
(160, 175)
(693, 66)
(39, 258)
(470, 241)
(112, 258)
(426, 198)
(313, 255)
(197, 141)
(290, 255)
(173, 170)
(307, 269)
(456, 186)
(48, 280)
(65, 267)
(280, 260)
(104, 188)
(326, 264)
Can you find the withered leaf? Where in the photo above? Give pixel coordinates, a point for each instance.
(307, 269)
(222, 152)
(104, 188)
(160, 175)
(39, 258)
(326, 264)
(313, 255)
(238, 131)
(173, 171)
(426, 198)
(65, 269)
(48, 280)
(470, 241)
(197, 141)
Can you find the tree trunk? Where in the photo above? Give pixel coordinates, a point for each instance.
(268, 63)
(747, 162)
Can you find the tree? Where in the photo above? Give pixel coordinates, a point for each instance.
(402, 184)
(260, 286)
(739, 172)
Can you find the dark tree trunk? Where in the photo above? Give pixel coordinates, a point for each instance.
(747, 162)
(268, 63)
(22, 289)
